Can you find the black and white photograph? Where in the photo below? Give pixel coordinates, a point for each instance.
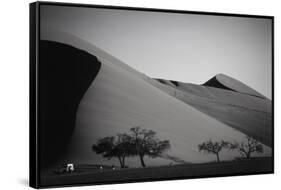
(129, 95)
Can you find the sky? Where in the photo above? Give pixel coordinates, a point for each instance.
(189, 48)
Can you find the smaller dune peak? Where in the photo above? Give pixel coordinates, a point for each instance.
(228, 83)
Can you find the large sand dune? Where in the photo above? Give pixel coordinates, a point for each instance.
(120, 98)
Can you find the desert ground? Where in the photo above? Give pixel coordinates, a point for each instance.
(90, 174)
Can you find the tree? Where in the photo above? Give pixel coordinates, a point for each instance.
(111, 147)
(213, 147)
(247, 148)
(143, 142)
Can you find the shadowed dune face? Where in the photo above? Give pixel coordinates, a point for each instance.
(65, 75)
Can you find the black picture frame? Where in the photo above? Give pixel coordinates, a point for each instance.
(36, 102)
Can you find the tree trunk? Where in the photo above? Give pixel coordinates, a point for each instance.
(121, 163)
(248, 155)
(218, 157)
(142, 161)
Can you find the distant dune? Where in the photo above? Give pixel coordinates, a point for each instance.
(228, 83)
(186, 114)
(248, 113)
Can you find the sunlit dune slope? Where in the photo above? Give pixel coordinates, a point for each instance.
(250, 114)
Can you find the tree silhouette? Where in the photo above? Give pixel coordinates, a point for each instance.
(213, 147)
(143, 142)
(247, 148)
(111, 147)
(140, 142)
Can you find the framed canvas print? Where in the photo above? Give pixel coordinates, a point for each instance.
(121, 94)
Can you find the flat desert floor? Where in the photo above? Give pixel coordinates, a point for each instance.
(90, 174)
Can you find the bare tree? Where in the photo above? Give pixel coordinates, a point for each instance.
(213, 147)
(140, 142)
(111, 147)
(247, 148)
(144, 143)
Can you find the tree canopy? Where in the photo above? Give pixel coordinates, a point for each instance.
(145, 143)
(112, 146)
(247, 148)
(213, 147)
(139, 142)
